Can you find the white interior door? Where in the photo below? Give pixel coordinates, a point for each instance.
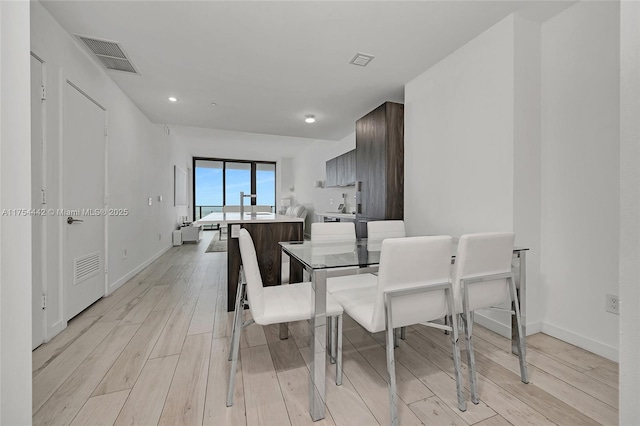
(37, 222)
(83, 173)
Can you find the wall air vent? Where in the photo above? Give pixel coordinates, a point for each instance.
(361, 59)
(110, 53)
(85, 267)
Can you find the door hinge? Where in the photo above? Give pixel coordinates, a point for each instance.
(43, 93)
(106, 200)
(106, 132)
(44, 196)
(44, 301)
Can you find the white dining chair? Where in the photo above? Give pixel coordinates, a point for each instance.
(482, 278)
(378, 230)
(338, 232)
(412, 287)
(333, 231)
(272, 305)
(381, 229)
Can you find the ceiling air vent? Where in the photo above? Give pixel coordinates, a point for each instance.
(110, 53)
(361, 59)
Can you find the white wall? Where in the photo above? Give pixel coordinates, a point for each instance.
(629, 212)
(581, 174)
(139, 164)
(15, 232)
(518, 130)
(527, 159)
(459, 139)
(472, 147)
(310, 166)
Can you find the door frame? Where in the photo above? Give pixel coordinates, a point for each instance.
(42, 238)
(64, 82)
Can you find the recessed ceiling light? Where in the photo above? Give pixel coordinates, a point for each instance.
(361, 59)
(310, 118)
(173, 99)
(213, 104)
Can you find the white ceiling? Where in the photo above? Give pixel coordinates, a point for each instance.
(266, 64)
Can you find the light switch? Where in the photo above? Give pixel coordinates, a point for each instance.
(159, 198)
(150, 200)
(235, 231)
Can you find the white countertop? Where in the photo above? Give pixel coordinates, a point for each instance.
(345, 215)
(224, 218)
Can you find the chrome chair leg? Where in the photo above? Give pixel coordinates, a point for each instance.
(462, 403)
(283, 331)
(329, 336)
(521, 345)
(339, 350)
(334, 338)
(391, 369)
(403, 333)
(468, 322)
(234, 358)
(237, 312)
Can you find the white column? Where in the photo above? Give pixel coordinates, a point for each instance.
(629, 212)
(15, 231)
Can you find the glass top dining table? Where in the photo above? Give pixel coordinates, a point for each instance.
(328, 259)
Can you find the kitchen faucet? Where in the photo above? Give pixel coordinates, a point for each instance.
(242, 197)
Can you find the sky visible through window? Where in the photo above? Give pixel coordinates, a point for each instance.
(209, 186)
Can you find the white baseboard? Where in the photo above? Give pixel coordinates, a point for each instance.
(503, 329)
(583, 342)
(116, 284)
(55, 328)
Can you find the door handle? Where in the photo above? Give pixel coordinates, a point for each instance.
(70, 220)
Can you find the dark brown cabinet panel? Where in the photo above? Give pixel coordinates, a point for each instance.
(350, 167)
(266, 236)
(380, 164)
(342, 164)
(361, 227)
(341, 171)
(332, 172)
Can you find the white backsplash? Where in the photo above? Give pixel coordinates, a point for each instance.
(328, 199)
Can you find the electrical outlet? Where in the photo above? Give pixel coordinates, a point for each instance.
(613, 304)
(150, 201)
(124, 254)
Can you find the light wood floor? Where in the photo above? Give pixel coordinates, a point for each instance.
(155, 352)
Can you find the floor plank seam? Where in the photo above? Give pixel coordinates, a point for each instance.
(345, 375)
(529, 365)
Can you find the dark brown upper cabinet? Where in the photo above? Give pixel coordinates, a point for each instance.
(332, 173)
(341, 171)
(380, 165)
